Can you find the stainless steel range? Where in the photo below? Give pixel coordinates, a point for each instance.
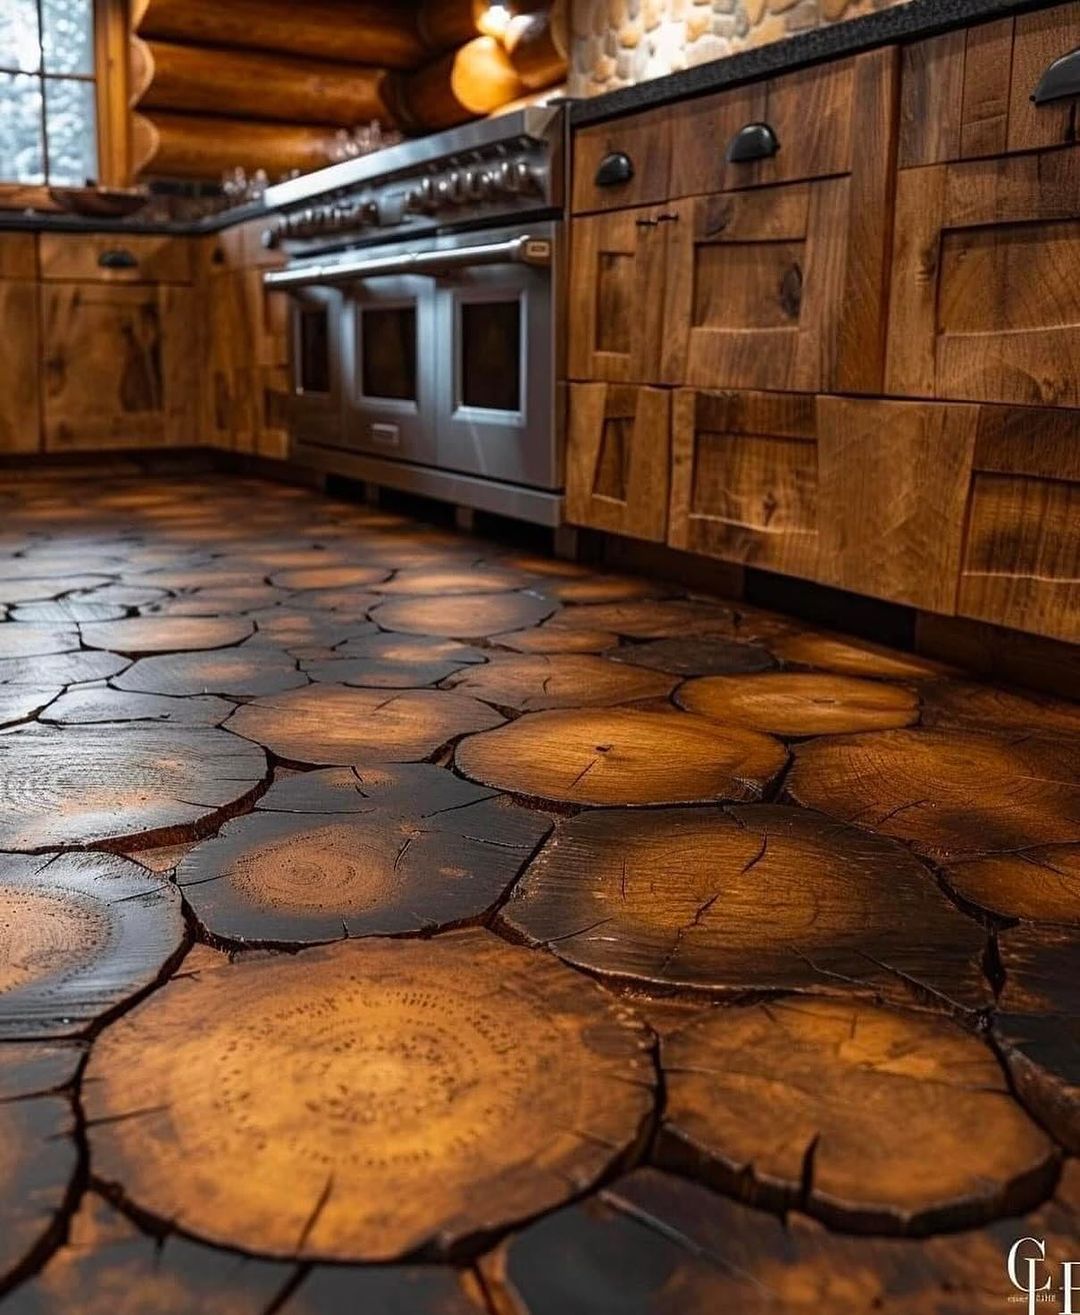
(425, 344)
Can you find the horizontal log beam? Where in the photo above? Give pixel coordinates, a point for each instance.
(201, 146)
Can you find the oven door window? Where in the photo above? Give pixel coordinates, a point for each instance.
(388, 352)
(313, 354)
(490, 338)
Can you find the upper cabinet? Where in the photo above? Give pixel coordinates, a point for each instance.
(761, 260)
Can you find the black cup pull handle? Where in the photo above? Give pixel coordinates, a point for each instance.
(1060, 79)
(614, 169)
(755, 141)
(117, 258)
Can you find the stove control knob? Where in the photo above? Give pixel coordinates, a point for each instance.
(456, 186)
(423, 196)
(477, 184)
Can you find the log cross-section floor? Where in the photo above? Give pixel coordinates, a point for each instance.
(395, 920)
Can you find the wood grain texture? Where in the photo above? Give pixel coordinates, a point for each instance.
(410, 849)
(853, 657)
(166, 634)
(620, 756)
(327, 725)
(247, 671)
(790, 704)
(948, 793)
(556, 639)
(967, 705)
(650, 619)
(674, 898)
(84, 785)
(62, 669)
(463, 616)
(446, 581)
(20, 408)
(550, 1087)
(393, 661)
(24, 702)
(536, 682)
(80, 707)
(1037, 1026)
(1039, 885)
(870, 1141)
(710, 656)
(646, 139)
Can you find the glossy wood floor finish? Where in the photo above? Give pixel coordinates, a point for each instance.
(394, 922)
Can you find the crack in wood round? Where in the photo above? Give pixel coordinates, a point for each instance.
(964, 705)
(62, 669)
(621, 756)
(341, 576)
(690, 656)
(759, 897)
(790, 704)
(654, 1244)
(860, 1116)
(294, 630)
(463, 616)
(949, 793)
(30, 641)
(557, 639)
(167, 634)
(1037, 1027)
(651, 619)
(393, 661)
(219, 602)
(21, 702)
(439, 583)
(533, 683)
(249, 671)
(853, 657)
(103, 705)
(402, 849)
(38, 1152)
(107, 1266)
(83, 933)
(44, 591)
(1037, 885)
(466, 1083)
(338, 725)
(78, 786)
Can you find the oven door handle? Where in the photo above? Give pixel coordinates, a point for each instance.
(524, 250)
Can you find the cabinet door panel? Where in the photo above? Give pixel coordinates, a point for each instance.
(618, 459)
(20, 400)
(986, 282)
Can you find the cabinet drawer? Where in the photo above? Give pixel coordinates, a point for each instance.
(617, 465)
(116, 258)
(622, 163)
(968, 93)
(986, 281)
(809, 115)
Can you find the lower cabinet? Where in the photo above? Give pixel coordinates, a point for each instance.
(20, 399)
(119, 365)
(618, 459)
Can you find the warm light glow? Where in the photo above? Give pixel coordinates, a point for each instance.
(494, 21)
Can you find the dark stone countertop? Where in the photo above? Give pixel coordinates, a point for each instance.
(901, 22)
(51, 221)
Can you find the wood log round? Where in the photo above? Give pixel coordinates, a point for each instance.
(1037, 1026)
(1038, 885)
(67, 612)
(81, 707)
(44, 591)
(354, 31)
(858, 1115)
(62, 669)
(853, 657)
(463, 616)
(39, 1155)
(329, 577)
(150, 634)
(464, 84)
(24, 702)
(651, 619)
(334, 725)
(252, 84)
(247, 671)
(601, 589)
(792, 704)
(557, 639)
(655, 1244)
(469, 1082)
(393, 661)
(965, 705)
(674, 898)
(83, 933)
(534, 682)
(219, 602)
(89, 785)
(202, 146)
(707, 656)
(620, 756)
(949, 793)
(418, 851)
(442, 582)
(345, 604)
(28, 641)
(297, 629)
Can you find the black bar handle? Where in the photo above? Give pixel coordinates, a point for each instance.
(117, 258)
(755, 141)
(614, 169)
(1060, 79)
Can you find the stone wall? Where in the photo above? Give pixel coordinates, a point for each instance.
(618, 42)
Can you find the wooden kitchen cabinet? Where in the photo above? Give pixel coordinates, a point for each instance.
(622, 164)
(119, 365)
(115, 258)
(619, 459)
(20, 397)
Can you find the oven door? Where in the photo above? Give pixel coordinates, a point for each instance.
(315, 395)
(389, 354)
(495, 330)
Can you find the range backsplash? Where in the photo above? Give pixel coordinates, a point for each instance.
(616, 43)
